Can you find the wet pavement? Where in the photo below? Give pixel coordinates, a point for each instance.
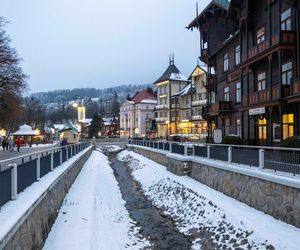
(155, 226)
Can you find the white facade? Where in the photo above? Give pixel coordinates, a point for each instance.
(133, 117)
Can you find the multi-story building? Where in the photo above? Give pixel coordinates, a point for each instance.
(252, 52)
(134, 113)
(170, 83)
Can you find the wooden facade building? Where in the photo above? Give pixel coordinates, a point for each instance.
(251, 48)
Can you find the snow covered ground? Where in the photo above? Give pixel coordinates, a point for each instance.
(196, 208)
(93, 215)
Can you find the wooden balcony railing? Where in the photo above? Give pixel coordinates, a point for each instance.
(210, 82)
(296, 87)
(220, 106)
(287, 37)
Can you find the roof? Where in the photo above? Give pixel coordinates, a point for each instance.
(171, 73)
(224, 4)
(58, 126)
(197, 70)
(187, 90)
(69, 127)
(142, 95)
(24, 130)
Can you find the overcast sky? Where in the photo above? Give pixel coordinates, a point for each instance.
(100, 43)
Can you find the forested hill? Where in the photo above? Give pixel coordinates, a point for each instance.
(82, 93)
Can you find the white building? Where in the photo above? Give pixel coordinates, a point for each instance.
(134, 113)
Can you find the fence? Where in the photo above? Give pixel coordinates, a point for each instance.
(272, 158)
(30, 168)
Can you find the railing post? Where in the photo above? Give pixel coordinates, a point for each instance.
(60, 156)
(193, 150)
(170, 147)
(38, 167)
(163, 146)
(185, 149)
(229, 154)
(52, 160)
(14, 181)
(208, 152)
(261, 158)
(67, 153)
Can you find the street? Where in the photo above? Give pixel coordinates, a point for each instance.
(5, 155)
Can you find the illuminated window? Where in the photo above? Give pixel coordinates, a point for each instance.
(288, 125)
(262, 129)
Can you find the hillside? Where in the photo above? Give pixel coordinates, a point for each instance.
(83, 93)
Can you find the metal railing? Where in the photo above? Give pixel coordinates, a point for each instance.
(20, 172)
(272, 158)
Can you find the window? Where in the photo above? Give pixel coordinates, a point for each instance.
(212, 97)
(288, 125)
(238, 127)
(286, 20)
(260, 35)
(187, 101)
(261, 81)
(226, 94)
(237, 55)
(201, 96)
(225, 62)
(187, 114)
(238, 93)
(262, 129)
(287, 73)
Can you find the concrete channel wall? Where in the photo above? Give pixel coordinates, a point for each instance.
(33, 228)
(274, 195)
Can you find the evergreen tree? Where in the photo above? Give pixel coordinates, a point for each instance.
(96, 126)
(115, 110)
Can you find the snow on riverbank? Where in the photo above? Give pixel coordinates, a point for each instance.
(93, 215)
(111, 148)
(197, 208)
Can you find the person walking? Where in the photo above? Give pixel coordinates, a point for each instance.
(11, 144)
(18, 142)
(3, 143)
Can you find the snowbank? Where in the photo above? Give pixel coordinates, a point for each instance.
(196, 207)
(93, 215)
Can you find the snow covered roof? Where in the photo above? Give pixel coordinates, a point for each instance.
(58, 126)
(142, 95)
(86, 120)
(172, 73)
(69, 127)
(24, 130)
(149, 101)
(188, 89)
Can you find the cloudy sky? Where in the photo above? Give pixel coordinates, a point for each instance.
(100, 43)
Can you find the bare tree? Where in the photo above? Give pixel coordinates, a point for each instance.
(12, 81)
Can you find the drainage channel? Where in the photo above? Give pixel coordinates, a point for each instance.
(157, 228)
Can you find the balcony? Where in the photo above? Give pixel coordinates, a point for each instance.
(220, 107)
(161, 119)
(204, 54)
(197, 117)
(266, 95)
(163, 106)
(199, 103)
(210, 82)
(286, 37)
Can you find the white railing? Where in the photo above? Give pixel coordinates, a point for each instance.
(197, 117)
(199, 102)
(161, 119)
(162, 106)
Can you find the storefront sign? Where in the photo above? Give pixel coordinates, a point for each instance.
(217, 135)
(257, 111)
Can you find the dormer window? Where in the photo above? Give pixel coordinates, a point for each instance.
(260, 35)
